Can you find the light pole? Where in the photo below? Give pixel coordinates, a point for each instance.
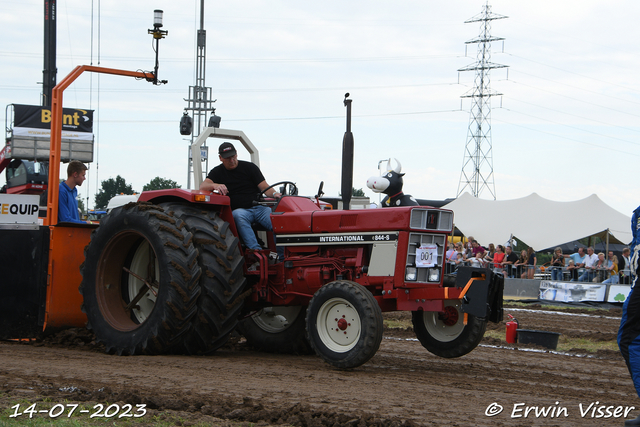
(157, 35)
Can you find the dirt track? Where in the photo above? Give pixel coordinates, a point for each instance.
(402, 385)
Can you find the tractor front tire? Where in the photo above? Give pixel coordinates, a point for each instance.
(344, 324)
(140, 280)
(222, 281)
(277, 330)
(445, 334)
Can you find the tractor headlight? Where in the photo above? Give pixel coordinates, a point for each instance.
(411, 274)
(434, 274)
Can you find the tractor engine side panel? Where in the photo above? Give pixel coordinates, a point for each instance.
(308, 271)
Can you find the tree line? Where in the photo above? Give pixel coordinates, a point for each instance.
(118, 185)
(113, 186)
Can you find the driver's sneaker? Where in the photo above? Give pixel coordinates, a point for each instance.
(634, 422)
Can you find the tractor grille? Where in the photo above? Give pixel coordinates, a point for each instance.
(348, 220)
(431, 219)
(417, 239)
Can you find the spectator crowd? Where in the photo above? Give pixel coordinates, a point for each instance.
(579, 266)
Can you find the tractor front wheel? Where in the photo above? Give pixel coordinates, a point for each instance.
(445, 334)
(344, 324)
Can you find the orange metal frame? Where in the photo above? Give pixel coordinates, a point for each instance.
(66, 243)
(56, 129)
(66, 254)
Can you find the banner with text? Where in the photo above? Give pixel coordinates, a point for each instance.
(33, 120)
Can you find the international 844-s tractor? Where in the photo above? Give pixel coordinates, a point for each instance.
(169, 274)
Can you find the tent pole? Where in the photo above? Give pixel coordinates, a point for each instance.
(607, 244)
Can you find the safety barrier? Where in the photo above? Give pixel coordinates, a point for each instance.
(561, 274)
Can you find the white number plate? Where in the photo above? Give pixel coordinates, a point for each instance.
(426, 255)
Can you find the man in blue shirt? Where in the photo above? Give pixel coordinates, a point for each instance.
(67, 203)
(629, 333)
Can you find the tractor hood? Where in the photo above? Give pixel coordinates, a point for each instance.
(300, 215)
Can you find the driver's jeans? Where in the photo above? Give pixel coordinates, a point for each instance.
(254, 215)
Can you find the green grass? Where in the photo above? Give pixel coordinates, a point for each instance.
(565, 343)
(398, 324)
(517, 304)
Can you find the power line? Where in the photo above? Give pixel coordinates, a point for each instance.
(575, 115)
(571, 127)
(576, 99)
(325, 89)
(572, 72)
(580, 88)
(249, 60)
(254, 90)
(567, 138)
(265, 119)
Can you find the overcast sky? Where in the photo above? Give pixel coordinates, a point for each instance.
(566, 126)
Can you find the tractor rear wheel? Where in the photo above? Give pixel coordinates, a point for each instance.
(277, 330)
(344, 324)
(140, 280)
(445, 334)
(221, 283)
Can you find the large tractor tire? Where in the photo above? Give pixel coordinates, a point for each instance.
(445, 334)
(344, 324)
(222, 281)
(140, 280)
(277, 330)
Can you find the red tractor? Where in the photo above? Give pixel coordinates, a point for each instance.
(169, 274)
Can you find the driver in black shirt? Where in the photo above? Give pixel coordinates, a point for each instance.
(241, 181)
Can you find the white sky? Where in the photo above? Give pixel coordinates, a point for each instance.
(568, 126)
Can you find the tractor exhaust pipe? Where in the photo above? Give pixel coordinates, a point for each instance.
(347, 159)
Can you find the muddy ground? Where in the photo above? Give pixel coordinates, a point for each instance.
(402, 385)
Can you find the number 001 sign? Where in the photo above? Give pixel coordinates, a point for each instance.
(426, 255)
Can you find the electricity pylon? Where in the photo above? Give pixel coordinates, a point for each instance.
(477, 166)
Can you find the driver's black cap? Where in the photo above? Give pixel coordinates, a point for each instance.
(227, 150)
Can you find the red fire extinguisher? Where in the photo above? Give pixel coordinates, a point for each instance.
(512, 326)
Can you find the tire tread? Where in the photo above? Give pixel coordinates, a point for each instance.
(222, 280)
(159, 333)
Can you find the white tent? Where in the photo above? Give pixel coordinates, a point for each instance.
(538, 222)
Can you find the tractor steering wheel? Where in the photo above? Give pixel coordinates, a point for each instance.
(290, 189)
